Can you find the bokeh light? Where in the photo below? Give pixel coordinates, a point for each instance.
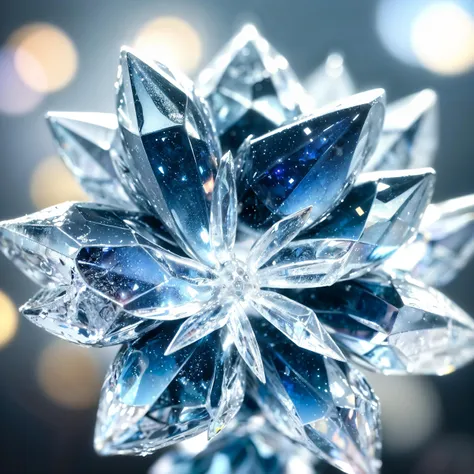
(411, 411)
(172, 41)
(52, 183)
(16, 98)
(54, 56)
(69, 375)
(442, 38)
(8, 319)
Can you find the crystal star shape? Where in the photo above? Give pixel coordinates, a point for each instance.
(249, 243)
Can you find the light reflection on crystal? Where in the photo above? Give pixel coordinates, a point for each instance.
(291, 165)
(334, 403)
(250, 88)
(394, 325)
(444, 245)
(86, 143)
(410, 134)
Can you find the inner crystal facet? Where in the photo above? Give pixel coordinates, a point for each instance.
(237, 283)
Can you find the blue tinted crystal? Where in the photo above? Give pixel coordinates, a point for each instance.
(150, 400)
(312, 162)
(172, 150)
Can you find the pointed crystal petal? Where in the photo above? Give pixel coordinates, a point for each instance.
(330, 82)
(410, 134)
(230, 385)
(147, 280)
(335, 405)
(444, 246)
(199, 325)
(276, 238)
(150, 400)
(172, 150)
(77, 314)
(380, 214)
(244, 339)
(85, 142)
(223, 225)
(297, 322)
(250, 88)
(394, 325)
(44, 244)
(291, 165)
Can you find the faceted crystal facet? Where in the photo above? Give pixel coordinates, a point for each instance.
(44, 244)
(250, 88)
(171, 148)
(330, 82)
(444, 245)
(86, 142)
(77, 314)
(394, 325)
(379, 215)
(150, 400)
(333, 402)
(311, 162)
(410, 134)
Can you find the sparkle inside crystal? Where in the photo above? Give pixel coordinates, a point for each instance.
(237, 282)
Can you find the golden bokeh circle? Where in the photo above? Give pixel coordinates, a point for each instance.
(172, 41)
(45, 57)
(69, 375)
(52, 183)
(8, 319)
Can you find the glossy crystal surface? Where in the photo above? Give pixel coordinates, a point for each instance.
(444, 245)
(331, 401)
(150, 400)
(410, 134)
(394, 325)
(310, 162)
(86, 142)
(171, 149)
(250, 88)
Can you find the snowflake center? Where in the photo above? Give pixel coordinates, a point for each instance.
(236, 281)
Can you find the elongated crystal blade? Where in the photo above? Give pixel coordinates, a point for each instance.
(85, 142)
(380, 214)
(334, 403)
(170, 164)
(299, 323)
(230, 386)
(224, 210)
(410, 134)
(44, 244)
(325, 151)
(244, 339)
(276, 238)
(394, 325)
(77, 314)
(250, 88)
(199, 325)
(150, 400)
(330, 82)
(444, 245)
(147, 281)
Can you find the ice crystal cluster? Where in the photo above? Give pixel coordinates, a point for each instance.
(250, 246)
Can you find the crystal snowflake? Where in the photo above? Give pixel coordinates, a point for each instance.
(246, 244)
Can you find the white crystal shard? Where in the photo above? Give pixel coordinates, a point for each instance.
(445, 243)
(276, 238)
(330, 82)
(86, 142)
(410, 134)
(223, 221)
(297, 322)
(244, 339)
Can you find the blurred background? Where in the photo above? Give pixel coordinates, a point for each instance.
(57, 55)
